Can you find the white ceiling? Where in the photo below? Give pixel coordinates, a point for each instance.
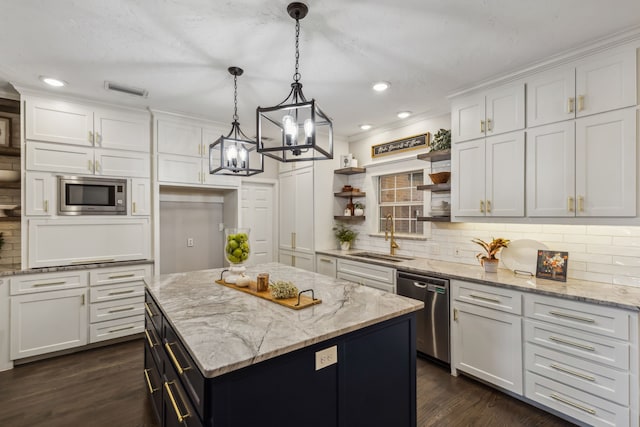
(179, 50)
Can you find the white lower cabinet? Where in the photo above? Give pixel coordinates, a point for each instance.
(486, 334)
(327, 265)
(582, 360)
(372, 275)
(83, 241)
(297, 259)
(48, 321)
(116, 328)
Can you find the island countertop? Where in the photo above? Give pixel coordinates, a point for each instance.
(225, 329)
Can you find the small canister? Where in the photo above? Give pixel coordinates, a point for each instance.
(263, 282)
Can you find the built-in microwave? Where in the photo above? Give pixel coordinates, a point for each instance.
(80, 195)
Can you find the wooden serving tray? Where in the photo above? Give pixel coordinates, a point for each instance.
(305, 301)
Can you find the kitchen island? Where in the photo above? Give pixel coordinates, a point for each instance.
(217, 356)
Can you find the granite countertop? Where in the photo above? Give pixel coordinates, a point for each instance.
(16, 269)
(225, 329)
(620, 296)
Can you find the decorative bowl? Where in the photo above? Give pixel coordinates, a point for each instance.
(440, 177)
(9, 175)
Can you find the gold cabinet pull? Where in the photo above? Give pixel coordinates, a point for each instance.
(84, 297)
(570, 403)
(570, 207)
(481, 126)
(572, 344)
(570, 105)
(455, 314)
(580, 102)
(121, 276)
(98, 168)
(146, 375)
(98, 139)
(35, 285)
(46, 206)
(580, 203)
(325, 260)
(149, 340)
(120, 329)
(149, 312)
(133, 207)
(482, 206)
(294, 240)
(90, 136)
(489, 125)
(179, 368)
(488, 206)
(572, 317)
(118, 310)
(174, 404)
(128, 291)
(572, 372)
(480, 297)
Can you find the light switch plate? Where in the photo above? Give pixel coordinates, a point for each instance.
(326, 357)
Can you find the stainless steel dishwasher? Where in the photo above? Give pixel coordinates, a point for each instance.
(432, 322)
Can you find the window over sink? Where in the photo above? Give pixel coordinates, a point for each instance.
(398, 195)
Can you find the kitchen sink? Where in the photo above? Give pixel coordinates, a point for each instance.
(381, 257)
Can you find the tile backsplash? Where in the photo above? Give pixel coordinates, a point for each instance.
(607, 254)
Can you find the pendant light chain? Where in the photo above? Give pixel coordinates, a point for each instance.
(235, 98)
(296, 76)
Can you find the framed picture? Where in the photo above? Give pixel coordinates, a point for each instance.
(5, 132)
(399, 145)
(345, 160)
(552, 265)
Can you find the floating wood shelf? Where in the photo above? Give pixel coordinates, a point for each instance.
(15, 185)
(10, 219)
(349, 218)
(435, 156)
(436, 188)
(349, 171)
(9, 151)
(350, 194)
(434, 218)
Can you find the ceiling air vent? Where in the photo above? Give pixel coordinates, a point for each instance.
(126, 89)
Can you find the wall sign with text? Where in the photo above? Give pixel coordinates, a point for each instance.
(399, 145)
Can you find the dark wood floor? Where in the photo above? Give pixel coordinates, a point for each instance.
(105, 387)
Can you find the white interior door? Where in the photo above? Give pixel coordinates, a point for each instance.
(257, 206)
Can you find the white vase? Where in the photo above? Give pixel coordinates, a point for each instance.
(490, 266)
(345, 246)
(358, 212)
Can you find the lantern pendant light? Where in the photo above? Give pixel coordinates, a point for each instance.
(235, 154)
(296, 129)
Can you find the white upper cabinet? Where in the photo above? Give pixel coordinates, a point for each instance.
(488, 113)
(589, 170)
(40, 193)
(179, 138)
(140, 197)
(489, 176)
(65, 122)
(596, 84)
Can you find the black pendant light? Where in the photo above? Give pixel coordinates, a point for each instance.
(235, 154)
(296, 129)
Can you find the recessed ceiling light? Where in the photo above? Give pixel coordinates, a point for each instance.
(404, 114)
(365, 127)
(381, 86)
(53, 81)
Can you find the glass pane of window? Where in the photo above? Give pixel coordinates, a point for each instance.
(402, 212)
(387, 181)
(416, 211)
(387, 196)
(403, 180)
(417, 227)
(403, 195)
(402, 226)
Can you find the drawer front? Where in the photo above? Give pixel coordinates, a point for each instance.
(108, 276)
(367, 271)
(185, 368)
(585, 407)
(383, 286)
(153, 380)
(487, 296)
(596, 379)
(116, 328)
(153, 313)
(32, 283)
(595, 348)
(587, 317)
(153, 340)
(178, 409)
(117, 309)
(116, 292)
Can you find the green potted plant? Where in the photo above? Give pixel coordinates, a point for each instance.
(488, 259)
(358, 209)
(345, 236)
(441, 140)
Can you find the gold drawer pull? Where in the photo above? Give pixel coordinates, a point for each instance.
(481, 126)
(325, 260)
(149, 312)
(146, 375)
(174, 359)
(572, 317)
(488, 206)
(570, 205)
(570, 403)
(151, 344)
(570, 105)
(571, 372)
(121, 329)
(121, 276)
(118, 310)
(580, 102)
(480, 297)
(573, 344)
(482, 206)
(48, 283)
(174, 404)
(128, 291)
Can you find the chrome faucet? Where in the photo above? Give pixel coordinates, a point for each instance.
(389, 225)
